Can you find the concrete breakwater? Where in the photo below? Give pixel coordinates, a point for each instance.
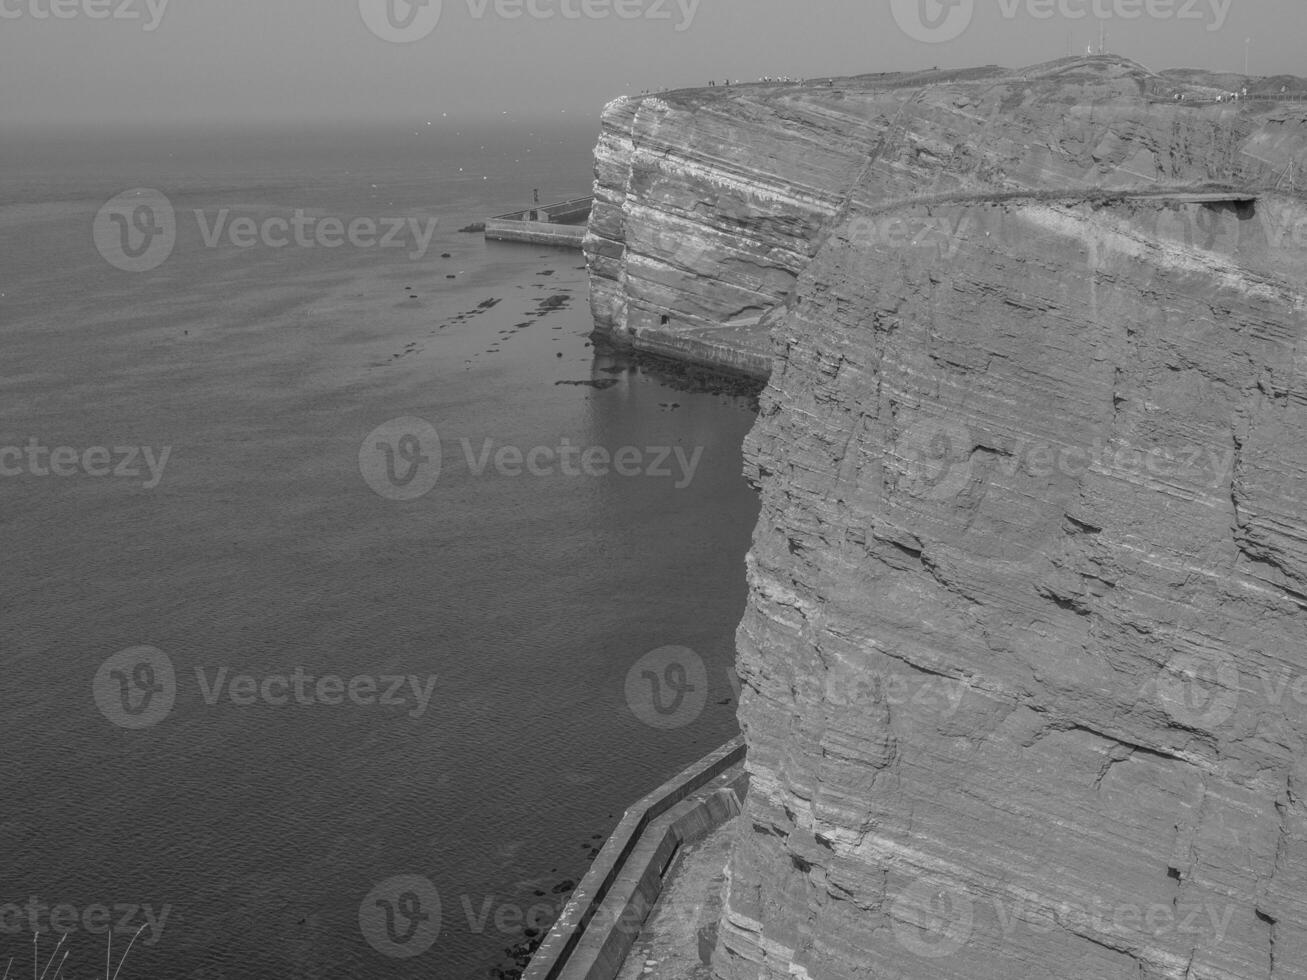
(597, 929)
(562, 224)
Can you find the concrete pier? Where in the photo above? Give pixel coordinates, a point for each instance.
(562, 224)
(600, 924)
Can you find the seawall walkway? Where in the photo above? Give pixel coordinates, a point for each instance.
(591, 939)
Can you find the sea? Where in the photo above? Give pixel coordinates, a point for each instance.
(348, 593)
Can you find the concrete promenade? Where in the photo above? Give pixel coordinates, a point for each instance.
(601, 923)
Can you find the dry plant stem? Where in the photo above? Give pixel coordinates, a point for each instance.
(51, 959)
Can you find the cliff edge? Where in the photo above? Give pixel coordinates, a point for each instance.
(1025, 681)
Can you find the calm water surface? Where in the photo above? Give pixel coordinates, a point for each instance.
(253, 828)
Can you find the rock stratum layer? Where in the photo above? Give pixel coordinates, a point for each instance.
(1025, 683)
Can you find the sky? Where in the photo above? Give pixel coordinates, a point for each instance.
(119, 62)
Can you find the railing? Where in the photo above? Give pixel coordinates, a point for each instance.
(561, 224)
(1192, 98)
(554, 956)
(580, 207)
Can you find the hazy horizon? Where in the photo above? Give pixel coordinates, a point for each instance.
(161, 62)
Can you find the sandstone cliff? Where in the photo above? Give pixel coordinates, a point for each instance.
(709, 203)
(1024, 664)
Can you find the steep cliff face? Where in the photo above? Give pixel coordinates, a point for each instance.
(710, 203)
(725, 184)
(1024, 659)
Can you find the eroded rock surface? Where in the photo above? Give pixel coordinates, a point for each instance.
(709, 203)
(1015, 500)
(1024, 658)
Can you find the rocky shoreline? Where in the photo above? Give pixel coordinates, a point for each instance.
(686, 375)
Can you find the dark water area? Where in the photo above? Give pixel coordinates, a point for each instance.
(254, 825)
